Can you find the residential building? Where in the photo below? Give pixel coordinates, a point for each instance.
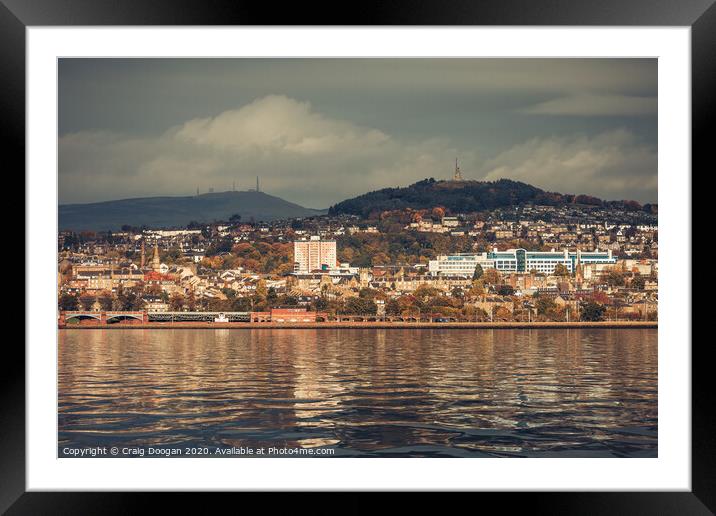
(314, 254)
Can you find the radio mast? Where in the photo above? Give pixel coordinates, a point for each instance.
(457, 176)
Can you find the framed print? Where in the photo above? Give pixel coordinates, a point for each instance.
(420, 252)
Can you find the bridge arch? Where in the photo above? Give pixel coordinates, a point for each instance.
(83, 316)
(115, 318)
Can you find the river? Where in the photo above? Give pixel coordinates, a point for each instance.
(361, 392)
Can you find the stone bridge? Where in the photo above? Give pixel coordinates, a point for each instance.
(102, 317)
(112, 317)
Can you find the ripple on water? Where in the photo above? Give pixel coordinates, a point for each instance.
(374, 393)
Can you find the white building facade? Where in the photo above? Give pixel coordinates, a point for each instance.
(518, 261)
(460, 264)
(314, 254)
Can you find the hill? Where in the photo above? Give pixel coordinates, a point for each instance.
(157, 212)
(465, 197)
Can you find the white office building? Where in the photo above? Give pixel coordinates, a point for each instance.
(518, 261)
(460, 264)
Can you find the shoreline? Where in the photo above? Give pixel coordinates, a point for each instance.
(364, 325)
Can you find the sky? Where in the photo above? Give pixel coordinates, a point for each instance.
(318, 131)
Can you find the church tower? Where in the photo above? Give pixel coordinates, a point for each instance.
(579, 272)
(142, 260)
(156, 264)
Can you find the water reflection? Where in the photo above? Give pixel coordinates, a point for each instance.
(584, 393)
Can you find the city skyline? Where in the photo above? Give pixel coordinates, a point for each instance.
(318, 131)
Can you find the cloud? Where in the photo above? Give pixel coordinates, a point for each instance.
(612, 165)
(277, 123)
(315, 160)
(300, 154)
(596, 105)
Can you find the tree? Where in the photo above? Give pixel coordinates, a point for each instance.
(426, 291)
(502, 314)
(477, 289)
(242, 304)
(561, 270)
(105, 302)
(457, 292)
(320, 304)
(638, 282)
(546, 306)
(505, 290)
(176, 302)
(492, 277)
(153, 290)
(68, 302)
(172, 255)
(271, 296)
(191, 301)
(592, 311)
(614, 278)
(478, 272)
(473, 313)
(601, 297)
(261, 290)
(381, 259)
(438, 212)
(367, 293)
(392, 307)
(129, 300)
(359, 306)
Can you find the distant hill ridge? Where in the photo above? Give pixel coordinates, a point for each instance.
(468, 196)
(155, 212)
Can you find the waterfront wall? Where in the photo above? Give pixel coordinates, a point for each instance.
(366, 325)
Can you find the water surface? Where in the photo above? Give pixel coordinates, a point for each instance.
(414, 393)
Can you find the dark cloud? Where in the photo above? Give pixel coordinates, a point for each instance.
(318, 131)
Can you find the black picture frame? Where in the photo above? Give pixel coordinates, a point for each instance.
(17, 15)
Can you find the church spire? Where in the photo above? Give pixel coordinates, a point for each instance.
(156, 264)
(579, 272)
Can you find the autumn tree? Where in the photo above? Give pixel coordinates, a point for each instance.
(261, 290)
(191, 301)
(153, 290)
(360, 306)
(68, 302)
(477, 290)
(615, 277)
(561, 270)
(425, 291)
(492, 277)
(129, 299)
(176, 302)
(546, 306)
(638, 282)
(438, 212)
(105, 302)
